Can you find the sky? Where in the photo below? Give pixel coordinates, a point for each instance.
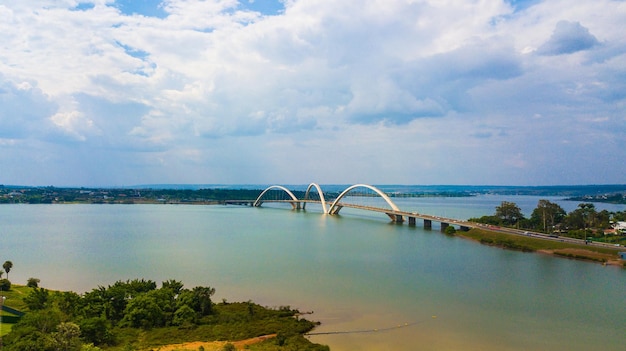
(431, 92)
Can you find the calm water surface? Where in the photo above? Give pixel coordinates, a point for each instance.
(355, 271)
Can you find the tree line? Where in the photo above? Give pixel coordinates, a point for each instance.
(115, 317)
(548, 217)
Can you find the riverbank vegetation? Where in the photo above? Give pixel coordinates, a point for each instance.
(531, 244)
(585, 222)
(136, 315)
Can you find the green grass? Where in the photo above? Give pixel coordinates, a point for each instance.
(15, 296)
(14, 299)
(530, 244)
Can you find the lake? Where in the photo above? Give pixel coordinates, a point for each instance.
(393, 286)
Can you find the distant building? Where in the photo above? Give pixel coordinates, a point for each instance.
(620, 227)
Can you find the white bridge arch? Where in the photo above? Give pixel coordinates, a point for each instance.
(335, 207)
(259, 201)
(320, 192)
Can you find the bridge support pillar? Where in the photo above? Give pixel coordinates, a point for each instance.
(411, 220)
(444, 226)
(465, 229)
(428, 224)
(395, 218)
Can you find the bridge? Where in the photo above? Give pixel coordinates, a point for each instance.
(315, 195)
(384, 204)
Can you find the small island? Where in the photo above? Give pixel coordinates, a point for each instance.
(138, 315)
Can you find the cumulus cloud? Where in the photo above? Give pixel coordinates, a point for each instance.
(23, 110)
(198, 84)
(567, 38)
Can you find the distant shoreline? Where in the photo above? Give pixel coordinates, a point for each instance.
(216, 194)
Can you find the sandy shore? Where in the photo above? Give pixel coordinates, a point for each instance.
(213, 345)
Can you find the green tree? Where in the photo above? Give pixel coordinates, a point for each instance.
(143, 311)
(96, 330)
(67, 302)
(5, 285)
(582, 217)
(509, 213)
(202, 299)
(184, 315)
(37, 299)
(66, 338)
(33, 282)
(174, 285)
(7, 265)
(33, 332)
(547, 214)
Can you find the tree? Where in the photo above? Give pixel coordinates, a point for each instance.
(509, 213)
(174, 285)
(547, 214)
(33, 283)
(33, 332)
(450, 230)
(96, 330)
(144, 311)
(37, 299)
(583, 217)
(7, 265)
(202, 299)
(184, 315)
(5, 285)
(67, 336)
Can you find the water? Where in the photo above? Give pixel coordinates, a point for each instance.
(355, 271)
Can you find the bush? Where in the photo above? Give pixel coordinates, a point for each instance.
(450, 230)
(33, 283)
(5, 285)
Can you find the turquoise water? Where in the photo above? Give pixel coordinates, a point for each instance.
(355, 271)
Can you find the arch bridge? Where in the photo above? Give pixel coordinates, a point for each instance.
(315, 195)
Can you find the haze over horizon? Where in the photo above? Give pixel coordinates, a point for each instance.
(124, 92)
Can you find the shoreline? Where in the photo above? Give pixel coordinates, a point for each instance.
(533, 245)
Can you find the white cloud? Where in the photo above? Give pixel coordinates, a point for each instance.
(342, 85)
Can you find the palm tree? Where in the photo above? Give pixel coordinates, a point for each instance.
(7, 267)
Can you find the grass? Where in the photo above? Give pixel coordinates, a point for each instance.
(14, 299)
(530, 244)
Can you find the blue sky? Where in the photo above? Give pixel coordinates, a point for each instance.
(106, 93)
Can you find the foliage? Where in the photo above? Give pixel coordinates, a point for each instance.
(508, 213)
(7, 265)
(525, 243)
(33, 282)
(5, 285)
(491, 220)
(547, 217)
(450, 230)
(37, 299)
(134, 315)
